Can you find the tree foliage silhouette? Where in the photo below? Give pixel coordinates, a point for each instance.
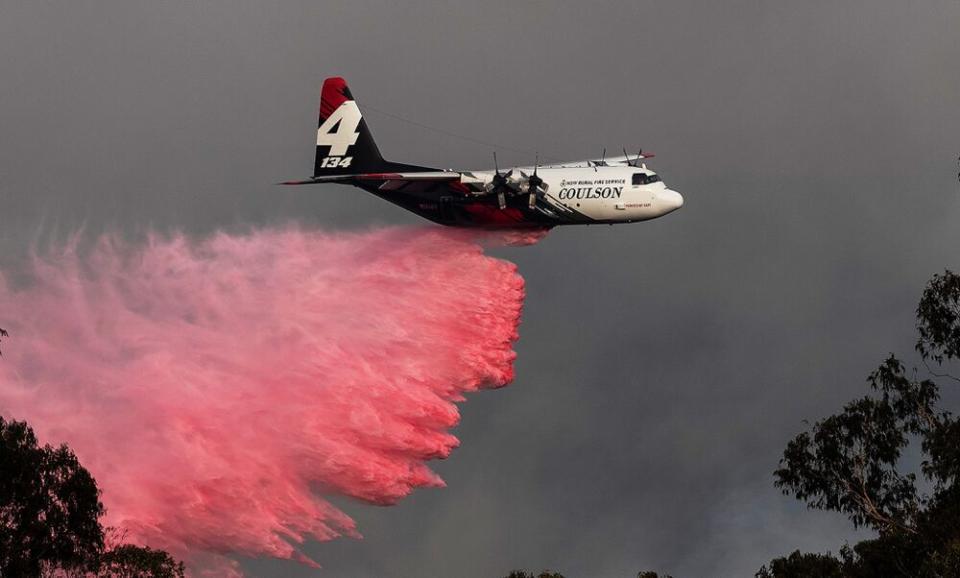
(851, 462)
(50, 513)
(49, 505)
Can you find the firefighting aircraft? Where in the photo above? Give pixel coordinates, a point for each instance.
(608, 190)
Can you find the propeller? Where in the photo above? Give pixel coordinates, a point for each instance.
(508, 184)
(603, 160)
(535, 186)
(500, 184)
(636, 162)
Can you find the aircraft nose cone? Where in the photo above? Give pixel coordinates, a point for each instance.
(672, 200)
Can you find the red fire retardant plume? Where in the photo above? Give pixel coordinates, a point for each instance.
(218, 389)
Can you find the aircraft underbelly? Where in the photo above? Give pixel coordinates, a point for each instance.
(455, 211)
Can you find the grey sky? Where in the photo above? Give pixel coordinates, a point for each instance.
(662, 366)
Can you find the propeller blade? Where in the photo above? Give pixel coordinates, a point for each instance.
(502, 199)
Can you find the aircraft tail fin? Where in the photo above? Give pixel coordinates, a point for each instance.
(344, 143)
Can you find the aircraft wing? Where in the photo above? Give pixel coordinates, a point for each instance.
(435, 176)
(624, 160)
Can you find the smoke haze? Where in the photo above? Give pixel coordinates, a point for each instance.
(217, 389)
(663, 366)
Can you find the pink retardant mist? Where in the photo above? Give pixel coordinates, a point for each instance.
(218, 389)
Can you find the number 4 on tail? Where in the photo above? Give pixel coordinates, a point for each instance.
(339, 131)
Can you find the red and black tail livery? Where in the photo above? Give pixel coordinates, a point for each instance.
(344, 143)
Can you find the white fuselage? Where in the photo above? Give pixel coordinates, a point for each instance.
(616, 191)
(610, 194)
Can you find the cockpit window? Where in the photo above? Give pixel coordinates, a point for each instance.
(645, 179)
